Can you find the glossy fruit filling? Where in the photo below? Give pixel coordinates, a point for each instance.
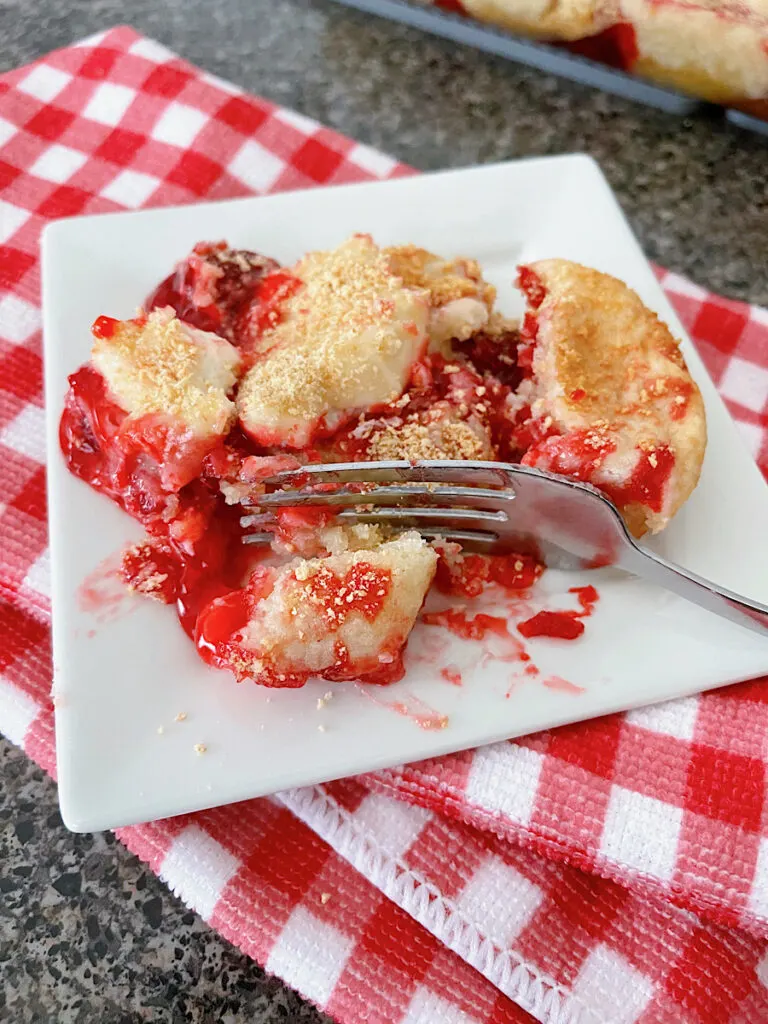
(266, 311)
(615, 46)
(467, 575)
(362, 590)
(214, 288)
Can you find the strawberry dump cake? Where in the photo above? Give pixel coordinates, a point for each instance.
(241, 368)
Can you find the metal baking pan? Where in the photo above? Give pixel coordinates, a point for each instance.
(551, 59)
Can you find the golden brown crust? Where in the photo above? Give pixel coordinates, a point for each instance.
(708, 48)
(440, 435)
(603, 361)
(347, 340)
(446, 279)
(461, 301)
(500, 327)
(160, 365)
(603, 335)
(544, 19)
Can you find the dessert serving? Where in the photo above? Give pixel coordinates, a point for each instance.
(240, 368)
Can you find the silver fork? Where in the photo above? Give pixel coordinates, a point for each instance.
(492, 507)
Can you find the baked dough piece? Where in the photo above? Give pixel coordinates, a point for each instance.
(347, 616)
(709, 48)
(610, 399)
(343, 338)
(543, 19)
(173, 381)
(461, 300)
(159, 365)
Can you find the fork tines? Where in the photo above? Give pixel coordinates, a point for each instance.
(458, 500)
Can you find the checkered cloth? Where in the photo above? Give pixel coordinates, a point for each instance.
(613, 872)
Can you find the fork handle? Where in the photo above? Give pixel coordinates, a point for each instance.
(725, 603)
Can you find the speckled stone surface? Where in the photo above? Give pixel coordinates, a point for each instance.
(86, 933)
(89, 936)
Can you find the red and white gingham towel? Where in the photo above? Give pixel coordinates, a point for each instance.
(612, 872)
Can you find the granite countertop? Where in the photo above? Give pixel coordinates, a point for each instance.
(86, 933)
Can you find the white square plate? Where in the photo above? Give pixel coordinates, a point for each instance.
(117, 682)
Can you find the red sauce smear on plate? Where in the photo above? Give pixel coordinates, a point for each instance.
(562, 685)
(476, 628)
(562, 625)
(587, 598)
(103, 594)
(416, 710)
(451, 675)
(479, 627)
